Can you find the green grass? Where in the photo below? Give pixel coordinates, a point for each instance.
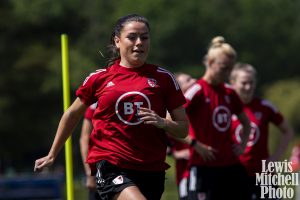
(171, 192)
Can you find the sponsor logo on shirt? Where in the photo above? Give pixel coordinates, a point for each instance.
(221, 118)
(253, 137)
(128, 105)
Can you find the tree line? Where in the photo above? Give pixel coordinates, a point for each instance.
(264, 33)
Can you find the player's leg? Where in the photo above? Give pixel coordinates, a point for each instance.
(122, 184)
(151, 184)
(201, 183)
(111, 181)
(130, 193)
(232, 183)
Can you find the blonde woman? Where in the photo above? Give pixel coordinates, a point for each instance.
(261, 113)
(210, 104)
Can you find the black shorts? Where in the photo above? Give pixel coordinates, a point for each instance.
(255, 190)
(214, 183)
(93, 195)
(112, 180)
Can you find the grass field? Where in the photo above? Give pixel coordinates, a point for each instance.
(170, 184)
(170, 193)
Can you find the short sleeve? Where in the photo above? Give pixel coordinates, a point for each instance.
(275, 116)
(174, 94)
(191, 95)
(86, 92)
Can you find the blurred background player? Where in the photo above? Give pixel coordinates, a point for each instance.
(179, 150)
(210, 104)
(86, 130)
(261, 113)
(295, 159)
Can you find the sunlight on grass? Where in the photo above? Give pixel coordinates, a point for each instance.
(170, 184)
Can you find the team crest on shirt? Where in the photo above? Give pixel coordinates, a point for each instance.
(118, 180)
(152, 82)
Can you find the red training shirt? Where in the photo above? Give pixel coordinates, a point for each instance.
(209, 109)
(260, 112)
(119, 136)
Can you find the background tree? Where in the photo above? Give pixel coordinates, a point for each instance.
(264, 33)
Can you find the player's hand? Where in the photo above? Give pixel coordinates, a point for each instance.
(238, 149)
(91, 182)
(150, 117)
(182, 154)
(206, 152)
(42, 163)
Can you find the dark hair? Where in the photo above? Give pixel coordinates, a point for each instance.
(112, 49)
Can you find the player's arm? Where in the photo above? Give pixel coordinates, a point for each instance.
(287, 135)
(207, 152)
(86, 129)
(176, 126)
(239, 149)
(65, 128)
